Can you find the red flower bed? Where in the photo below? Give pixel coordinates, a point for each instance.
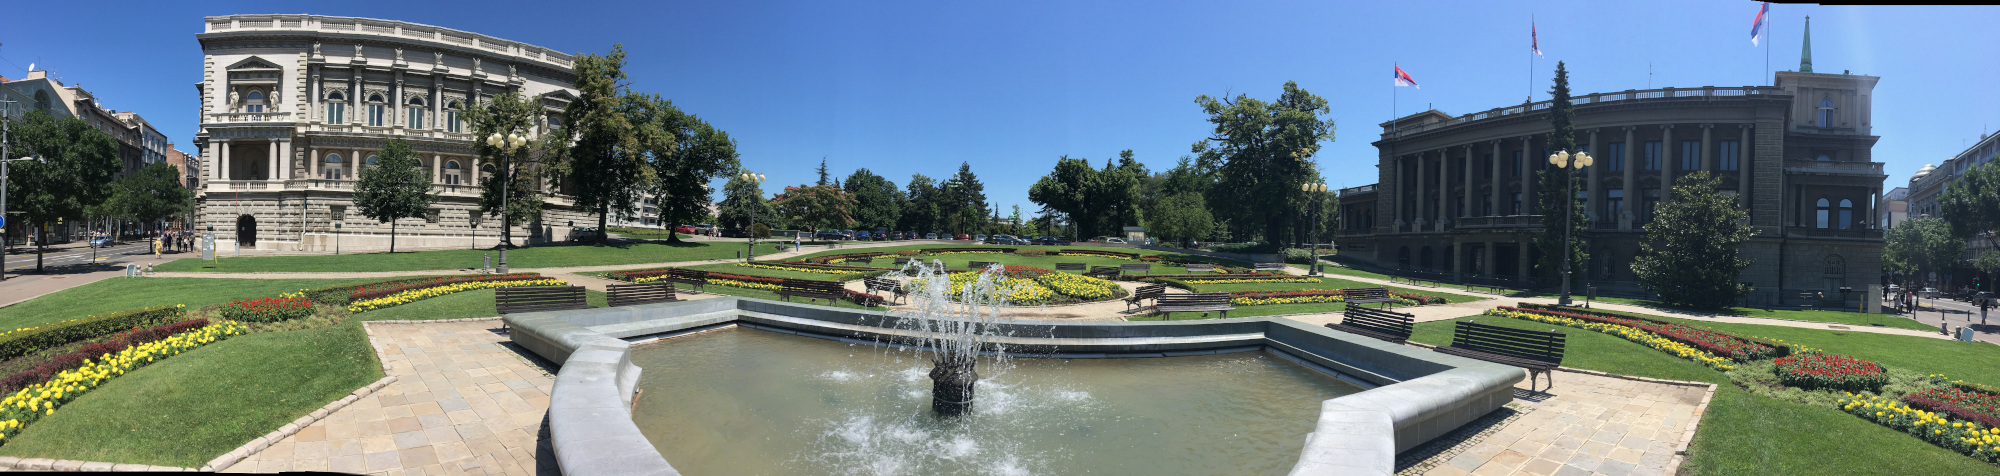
(268, 309)
(1927, 401)
(72, 360)
(393, 288)
(1713, 342)
(1113, 254)
(633, 275)
(803, 264)
(1026, 272)
(1981, 402)
(1834, 372)
(747, 279)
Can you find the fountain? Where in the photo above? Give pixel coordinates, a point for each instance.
(954, 332)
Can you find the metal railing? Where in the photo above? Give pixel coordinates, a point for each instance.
(1833, 167)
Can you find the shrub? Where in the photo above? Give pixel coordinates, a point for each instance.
(36, 339)
(1032, 252)
(1298, 256)
(1831, 372)
(267, 309)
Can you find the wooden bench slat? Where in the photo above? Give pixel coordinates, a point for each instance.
(1207, 267)
(811, 289)
(885, 284)
(515, 300)
(1167, 304)
(1071, 266)
(1145, 292)
(633, 294)
(1537, 351)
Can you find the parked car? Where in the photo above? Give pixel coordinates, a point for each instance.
(734, 233)
(829, 235)
(979, 238)
(962, 237)
(1115, 240)
(585, 233)
(1929, 293)
(101, 242)
(864, 235)
(1054, 240)
(688, 229)
(1006, 240)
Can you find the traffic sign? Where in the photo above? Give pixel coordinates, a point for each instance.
(3, 223)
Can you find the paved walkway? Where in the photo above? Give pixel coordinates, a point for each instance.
(1586, 424)
(462, 404)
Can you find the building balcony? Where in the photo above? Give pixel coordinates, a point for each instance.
(1855, 233)
(1705, 93)
(1833, 167)
(1509, 221)
(226, 118)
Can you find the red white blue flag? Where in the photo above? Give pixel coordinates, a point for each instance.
(1534, 39)
(1403, 79)
(1757, 25)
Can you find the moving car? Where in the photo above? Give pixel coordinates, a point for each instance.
(688, 229)
(585, 233)
(100, 242)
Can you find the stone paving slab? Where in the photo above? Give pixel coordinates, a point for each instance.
(462, 404)
(1586, 424)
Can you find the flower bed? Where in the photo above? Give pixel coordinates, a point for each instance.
(1936, 402)
(29, 340)
(1736, 348)
(1032, 252)
(1815, 370)
(1308, 296)
(24, 406)
(845, 272)
(1242, 280)
(385, 289)
(1107, 254)
(1630, 333)
(1026, 285)
(1978, 441)
(270, 309)
(414, 294)
(45, 371)
(847, 257)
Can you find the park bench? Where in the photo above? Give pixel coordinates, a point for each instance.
(691, 277)
(902, 261)
(633, 294)
(1168, 304)
(1201, 267)
(1071, 266)
(1390, 326)
(1135, 268)
(1145, 292)
(811, 289)
(516, 300)
(1358, 296)
(1266, 267)
(1537, 351)
(978, 265)
(885, 284)
(1103, 272)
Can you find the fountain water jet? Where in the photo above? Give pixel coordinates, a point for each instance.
(954, 331)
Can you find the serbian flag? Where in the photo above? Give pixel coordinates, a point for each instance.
(1534, 40)
(1403, 79)
(1757, 25)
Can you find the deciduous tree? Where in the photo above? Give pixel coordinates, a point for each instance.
(1690, 255)
(1266, 150)
(1922, 244)
(877, 201)
(152, 194)
(395, 188)
(80, 162)
(604, 158)
(510, 114)
(1972, 203)
(816, 206)
(742, 200)
(685, 153)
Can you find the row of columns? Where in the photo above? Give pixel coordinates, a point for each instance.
(1669, 164)
(1487, 256)
(356, 113)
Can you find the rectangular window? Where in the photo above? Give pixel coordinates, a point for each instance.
(1486, 166)
(1614, 157)
(1728, 151)
(451, 121)
(336, 113)
(1517, 163)
(1652, 155)
(416, 118)
(1690, 155)
(1517, 205)
(375, 113)
(1614, 205)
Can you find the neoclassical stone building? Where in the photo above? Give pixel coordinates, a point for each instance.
(293, 107)
(1452, 198)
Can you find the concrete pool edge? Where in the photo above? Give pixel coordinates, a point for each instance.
(1420, 395)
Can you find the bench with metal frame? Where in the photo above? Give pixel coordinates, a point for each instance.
(1390, 326)
(516, 300)
(691, 277)
(1263, 267)
(1168, 304)
(1071, 267)
(978, 265)
(1201, 267)
(1103, 272)
(831, 291)
(894, 287)
(1143, 293)
(1538, 352)
(634, 294)
(1135, 268)
(1357, 296)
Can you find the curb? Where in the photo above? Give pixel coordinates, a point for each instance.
(262, 442)
(12, 463)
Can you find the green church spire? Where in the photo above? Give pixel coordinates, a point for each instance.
(1805, 55)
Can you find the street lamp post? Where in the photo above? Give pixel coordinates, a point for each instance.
(750, 229)
(1313, 191)
(506, 144)
(1563, 159)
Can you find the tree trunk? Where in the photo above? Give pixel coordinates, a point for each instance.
(603, 213)
(41, 242)
(392, 236)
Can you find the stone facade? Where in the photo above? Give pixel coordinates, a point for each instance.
(1452, 198)
(1929, 183)
(294, 106)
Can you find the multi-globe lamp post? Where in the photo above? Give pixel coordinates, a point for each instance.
(1313, 191)
(507, 144)
(751, 228)
(1565, 160)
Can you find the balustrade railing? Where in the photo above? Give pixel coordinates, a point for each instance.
(1709, 92)
(249, 117)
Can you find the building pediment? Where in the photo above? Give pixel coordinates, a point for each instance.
(253, 63)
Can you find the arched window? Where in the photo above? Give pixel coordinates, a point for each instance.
(333, 158)
(416, 113)
(1846, 214)
(451, 173)
(451, 122)
(336, 107)
(333, 169)
(1823, 210)
(253, 102)
(373, 159)
(1825, 113)
(377, 111)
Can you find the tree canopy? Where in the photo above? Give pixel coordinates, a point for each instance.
(154, 193)
(1690, 255)
(685, 154)
(605, 160)
(877, 201)
(1556, 184)
(816, 206)
(80, 163)
(1972, 203)
(1921, 244)
(1265, 150)
(742, 200)
(510, 114)
(394, 188)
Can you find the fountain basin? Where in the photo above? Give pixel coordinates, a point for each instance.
(1417, 395)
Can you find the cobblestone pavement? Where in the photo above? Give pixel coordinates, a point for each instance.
(1586, 424)
(462, 404)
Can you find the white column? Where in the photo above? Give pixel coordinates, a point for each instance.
(1667, 162)
(437, 169)
(1527, 174)
(222, 170)
(1444, 183)
(1498, 207)
(272, 173)
(1471, 190)
(1421, 175)
(312, 163)
(1631, 159)
(356, 169)
(354, 111)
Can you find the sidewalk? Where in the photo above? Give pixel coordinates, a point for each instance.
(21, 287)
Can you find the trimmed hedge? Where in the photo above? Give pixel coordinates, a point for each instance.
(36, 339)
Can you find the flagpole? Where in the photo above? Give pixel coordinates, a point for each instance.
(1767, 47)
(1531, 60)
(1392, 99)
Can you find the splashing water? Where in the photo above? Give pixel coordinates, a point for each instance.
(954, 331)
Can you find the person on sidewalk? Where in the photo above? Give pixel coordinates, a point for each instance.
(1985, 302)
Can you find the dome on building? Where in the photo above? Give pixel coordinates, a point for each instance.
(1921, 173)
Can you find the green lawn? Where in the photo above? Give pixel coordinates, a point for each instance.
(117, 294)
(188, 409)
(548, 256)
(1748, 434)
(732, 268)
(645, 233)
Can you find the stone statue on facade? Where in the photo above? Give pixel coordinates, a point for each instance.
(357, 50)
(475, 65)
(234, 99)
(440, 58)
(399, 55)
(315, 47)
(510, 71)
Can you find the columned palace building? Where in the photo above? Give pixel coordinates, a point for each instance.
(294, 107)
(1456, 193)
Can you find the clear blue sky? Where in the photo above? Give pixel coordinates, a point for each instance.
(919, 87)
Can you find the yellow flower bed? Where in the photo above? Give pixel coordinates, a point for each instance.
(1965, 437)
(1300, 279)
(414, 295)
(739, 284)
(1016, 290)
(1078, 286)
(39, 400)
(1635, 335)
(801, 269)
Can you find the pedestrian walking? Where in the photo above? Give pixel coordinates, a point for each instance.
(1985, 302)
(157, 244)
